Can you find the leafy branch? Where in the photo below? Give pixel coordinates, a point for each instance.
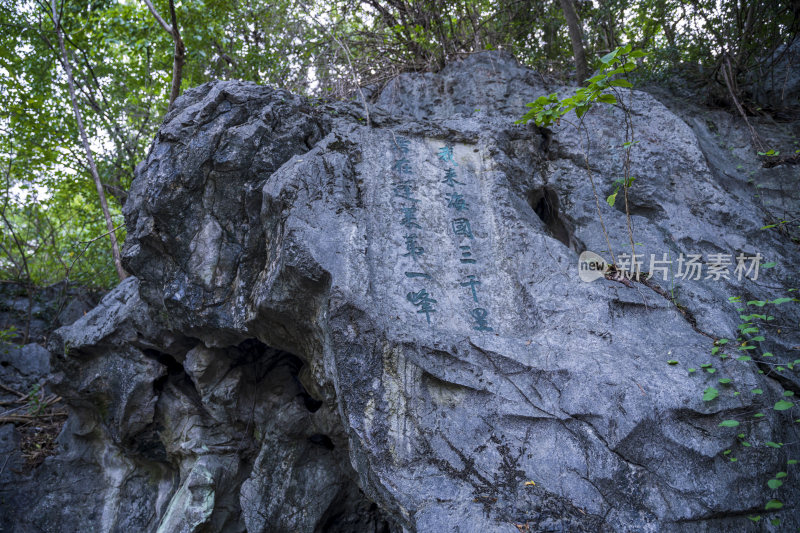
(602, 88)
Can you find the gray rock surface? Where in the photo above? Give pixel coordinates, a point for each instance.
(41, 311)
(341, 326)
(782, 89)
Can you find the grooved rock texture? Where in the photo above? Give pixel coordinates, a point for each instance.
(342, 326)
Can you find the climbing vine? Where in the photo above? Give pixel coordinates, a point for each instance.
(745, 348)
(747, 343)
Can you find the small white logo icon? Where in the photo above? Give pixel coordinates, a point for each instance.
(591, 266)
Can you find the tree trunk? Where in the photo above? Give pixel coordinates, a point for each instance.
(574, 27)
(85, 141)
(179, 56)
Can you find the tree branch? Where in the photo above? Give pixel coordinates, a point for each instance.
(152, 8)
(179, 57)
(87, 148)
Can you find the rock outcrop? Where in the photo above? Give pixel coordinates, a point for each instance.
(342, 325)
(42, 310)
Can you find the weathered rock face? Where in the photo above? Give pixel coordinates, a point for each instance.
(341, 326)
(41, 311)
(781, 90)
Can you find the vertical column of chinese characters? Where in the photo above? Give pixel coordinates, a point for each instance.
(403, 197)
(462, 230)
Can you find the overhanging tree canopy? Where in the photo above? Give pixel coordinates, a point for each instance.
(123, 63)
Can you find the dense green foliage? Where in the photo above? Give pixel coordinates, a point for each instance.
(52, 227)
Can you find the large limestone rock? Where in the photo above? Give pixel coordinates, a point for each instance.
(342, 326)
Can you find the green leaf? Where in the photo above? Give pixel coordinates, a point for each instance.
(725, 381)
(774, 483)
(783, 405)
(744, 358)
(773, 444)
(714, 350)
(638, 53)
(607, 99)
(757, 391)
(758, 415)
(611, 199)
(608, 58)
(760, 338)
(672, 362)
(621, 83)
(729, 423)
(788, 393)
(757, 303)
(691, 370)
(781, 475)
(771, 263)
(792, 461)
(709, 394)
(780, 301)
(773, 505)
